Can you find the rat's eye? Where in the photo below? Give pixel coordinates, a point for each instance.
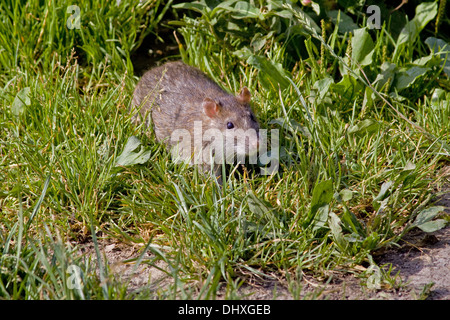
(230, 125)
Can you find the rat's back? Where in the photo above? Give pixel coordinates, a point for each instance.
(175, 92)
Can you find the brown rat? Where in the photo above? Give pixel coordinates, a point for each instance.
(195, 117)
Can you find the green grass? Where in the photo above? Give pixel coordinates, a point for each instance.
(364, 129)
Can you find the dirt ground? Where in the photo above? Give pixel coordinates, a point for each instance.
(422, 262)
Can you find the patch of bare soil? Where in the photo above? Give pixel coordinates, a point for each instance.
(121, 259)
(422, 263)
(425, 265)
(424, 260)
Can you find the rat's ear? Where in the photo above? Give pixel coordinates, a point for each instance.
(244, 96)
(210, 107)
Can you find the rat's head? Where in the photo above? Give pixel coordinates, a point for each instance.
(234, 118)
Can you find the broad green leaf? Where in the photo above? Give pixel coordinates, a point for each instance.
(321, 217)
(424, 220)
(409, 166)
(374, 280)
(367, 125)
(227, 5)
(272, 74)
(292, 125)
(369, 96)
(432, 226)
(443, 48)
(316, 7)
(21, 101)
(362, 47)
(257, 206)
(130, 156)
(245, 10)
(425, 12)
(346, 23)
(243, 54)
(438, 95)
(405, 79)
(262, 209)
(322, 194)
(258, 42)
(408, 33)
(323, 86)
(424, 61)
(284, 14)
(384, 191)
(407, 175)
(300, 17)
(440, 99)
(351, 221)
(387, 72)
(348, 87)
(195, 6)
(346, 194)
(335, 226)
(321, 197)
